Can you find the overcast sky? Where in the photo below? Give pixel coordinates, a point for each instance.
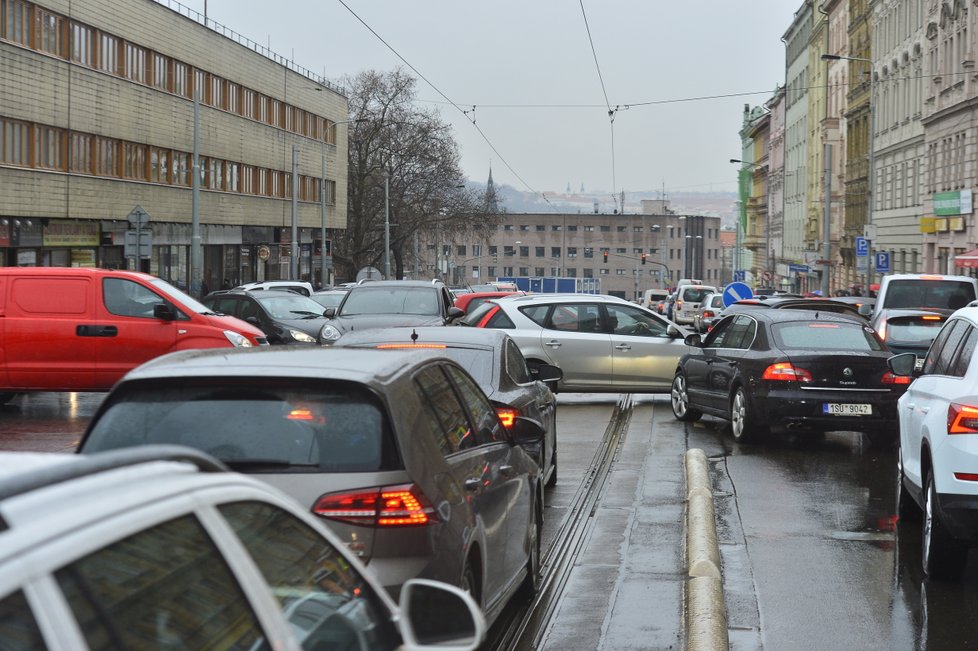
(536, 52)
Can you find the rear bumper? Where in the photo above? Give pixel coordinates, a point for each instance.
(799, 409)
(960, 515)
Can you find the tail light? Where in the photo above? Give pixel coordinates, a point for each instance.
(889, 378)
(507, 416)
(881, 329)
(962, 419)
(679, 305)
(785, 372)
(386, 506)
(708, 314)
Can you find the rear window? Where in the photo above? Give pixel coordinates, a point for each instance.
(267, 427)
(825, 336)
(913, 329)
(940, 294)
(695, 295)
(392, 300)
(474, 315)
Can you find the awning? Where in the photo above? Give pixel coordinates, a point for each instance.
(968, 259)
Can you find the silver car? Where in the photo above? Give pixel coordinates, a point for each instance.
(601, 343)
(399, 452)
(709, 312)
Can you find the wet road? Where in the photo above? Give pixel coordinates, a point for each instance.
(813, 557)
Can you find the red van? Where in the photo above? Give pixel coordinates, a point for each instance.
(81, 329)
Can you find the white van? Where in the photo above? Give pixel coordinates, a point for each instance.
(688, 300)
(651, 297)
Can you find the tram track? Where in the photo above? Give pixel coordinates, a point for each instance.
(525, 627)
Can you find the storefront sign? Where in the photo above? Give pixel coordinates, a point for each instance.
(928, 225)
(263, 252)
(83, 257)
(71, 232)
(952, 203)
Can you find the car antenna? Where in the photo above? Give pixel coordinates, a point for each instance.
(414, 336)
(816, 315)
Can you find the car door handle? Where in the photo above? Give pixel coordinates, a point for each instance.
(472, 484)
(911, 405)
(96, 331)
(507, 470)
(924, 410)
(553, 344)
(623, 347)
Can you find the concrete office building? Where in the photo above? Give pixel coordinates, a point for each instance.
(97, 117)
(791, 267)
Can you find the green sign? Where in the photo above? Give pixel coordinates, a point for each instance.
(952, 203)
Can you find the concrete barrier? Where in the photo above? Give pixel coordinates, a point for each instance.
(706, 614)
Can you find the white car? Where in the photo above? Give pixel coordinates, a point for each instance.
(938, 461)
(601, 343)
(298, 286)
(160, 547)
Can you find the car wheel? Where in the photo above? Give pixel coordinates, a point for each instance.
(552, 479)
(470, 583)
(680, 400)
(907, 509)
(742, 418)
(533, 576)
(942, 556)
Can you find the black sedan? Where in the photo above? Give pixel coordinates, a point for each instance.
(285, 317)
(496, 364)
(790, 370)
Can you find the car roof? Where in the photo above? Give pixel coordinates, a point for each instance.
(482, 337)
(559, 298)
(782, 316)
(371, 367)
(244, 292)
(397, 283)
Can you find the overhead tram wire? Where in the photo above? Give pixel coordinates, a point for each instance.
(464, 112)
(611, 112)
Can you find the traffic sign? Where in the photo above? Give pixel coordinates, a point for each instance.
(882, 262)
(138, 217)
(736, 292)
(862, 247)
(862, 265)
(144, 240)
(739, 276)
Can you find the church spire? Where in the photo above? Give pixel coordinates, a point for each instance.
(492, 205)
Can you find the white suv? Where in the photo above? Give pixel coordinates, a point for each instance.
(938, 461)
(161, 547)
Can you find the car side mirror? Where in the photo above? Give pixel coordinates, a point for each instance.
(674, 331)
(329, 312)
(253, 320)
(546, 373)
(455, 313)
(526, 431)
(164, 311)
(437, 615)
(693, 340)
(865, 310)
(904, 365)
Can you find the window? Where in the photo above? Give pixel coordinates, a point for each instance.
(959, 366)
(629, 321)
(48, 35)
(213, 174)
(524, 227)
(555, 228)
(181, 85)
(16, 25)
(233, 100)
(108, 54)
(571, 251)
(159, 165)
(507, 227)
(311, 580)
(620, 229)
(555, 252)
(588, 252)
(572, 228)
(200, 606)
(603, 272)
(524, 271)
(216, 93)
(487, 425)
(127, 298)
(589, 228)
(493, 249)
(47, 150)
(491, 271)
(541, 227)
(516, 364)
(525, 251)
(539, 271)
(540, 251)
(636, 229)
(105, 157)
(570, 272)
(14, 142)
(508, 272)
(161, 75)
(82, 44)
(180, 171)
(942, 350)
(18, 628)
(605, 228)
(249, 102)
(133, 161)
(449, 414)
(81, 153)
(135, 63)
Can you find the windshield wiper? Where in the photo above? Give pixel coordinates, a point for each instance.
(261, 464)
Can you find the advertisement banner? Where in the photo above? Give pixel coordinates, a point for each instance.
(957, 202)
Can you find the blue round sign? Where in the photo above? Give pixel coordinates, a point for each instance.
(736, 292)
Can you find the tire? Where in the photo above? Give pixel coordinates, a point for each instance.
(552, 480)
(942, 556)
(907, 509)
(742, 418)
(6, 397)
(470, 583)
(679, 398)
(533, 577)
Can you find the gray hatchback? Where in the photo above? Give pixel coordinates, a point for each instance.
(399, 451)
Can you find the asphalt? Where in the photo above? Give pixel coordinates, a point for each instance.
(650, 576)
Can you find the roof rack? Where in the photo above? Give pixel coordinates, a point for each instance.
(91, 464)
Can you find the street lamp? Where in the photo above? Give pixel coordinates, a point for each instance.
(871, 176)
(324, 273)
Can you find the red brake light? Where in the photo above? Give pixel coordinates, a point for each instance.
(784, 371)
(962, 419)
(889, 378)
(386, 506)
(507, 416)
(933, 317)
(399, 346)
(708, 313)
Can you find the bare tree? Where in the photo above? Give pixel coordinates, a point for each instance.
(415, 150)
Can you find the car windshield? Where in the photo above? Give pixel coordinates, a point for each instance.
(290, 306)
(255, 426)
(800, 335)
(921, 293)
(329, 300)
(391, 300)
(185, 300)
(473, 316)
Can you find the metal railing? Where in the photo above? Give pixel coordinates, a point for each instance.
(266, 52)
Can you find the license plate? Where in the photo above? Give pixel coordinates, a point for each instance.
(919, 364)
(846, 409)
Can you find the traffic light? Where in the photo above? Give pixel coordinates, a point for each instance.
(605, 254)
(643, 258)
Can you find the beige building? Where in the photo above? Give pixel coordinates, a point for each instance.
(97, 118)
(575, 245)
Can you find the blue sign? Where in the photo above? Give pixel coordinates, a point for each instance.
(883, 262)
(736, 292)
(862, 247)
(740, 276)
(799, 268)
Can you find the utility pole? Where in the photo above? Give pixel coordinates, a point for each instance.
(294, 266)
(827, 222)
(196, 251)
(387, 226)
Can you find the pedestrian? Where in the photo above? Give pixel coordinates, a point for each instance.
(226, 284)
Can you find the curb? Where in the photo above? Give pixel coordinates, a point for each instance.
(706, 614)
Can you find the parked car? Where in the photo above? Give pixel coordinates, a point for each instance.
(284, 317)
(472, 300)
(794, 369)
(389, 303)
(710, 311)
(909, 331)
(822, 305)
(938, 456)
(81, 329)
(601, 343)
(297, 286)
(329, 297)
(495, 362)
(923, 292)
(171, 551)
(399, 452)
(688, 300)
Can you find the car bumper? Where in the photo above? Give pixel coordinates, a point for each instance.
(959, 513)
(800, 409)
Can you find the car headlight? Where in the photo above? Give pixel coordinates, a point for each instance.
(329, 334)
(301, 337)
(237, 339)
